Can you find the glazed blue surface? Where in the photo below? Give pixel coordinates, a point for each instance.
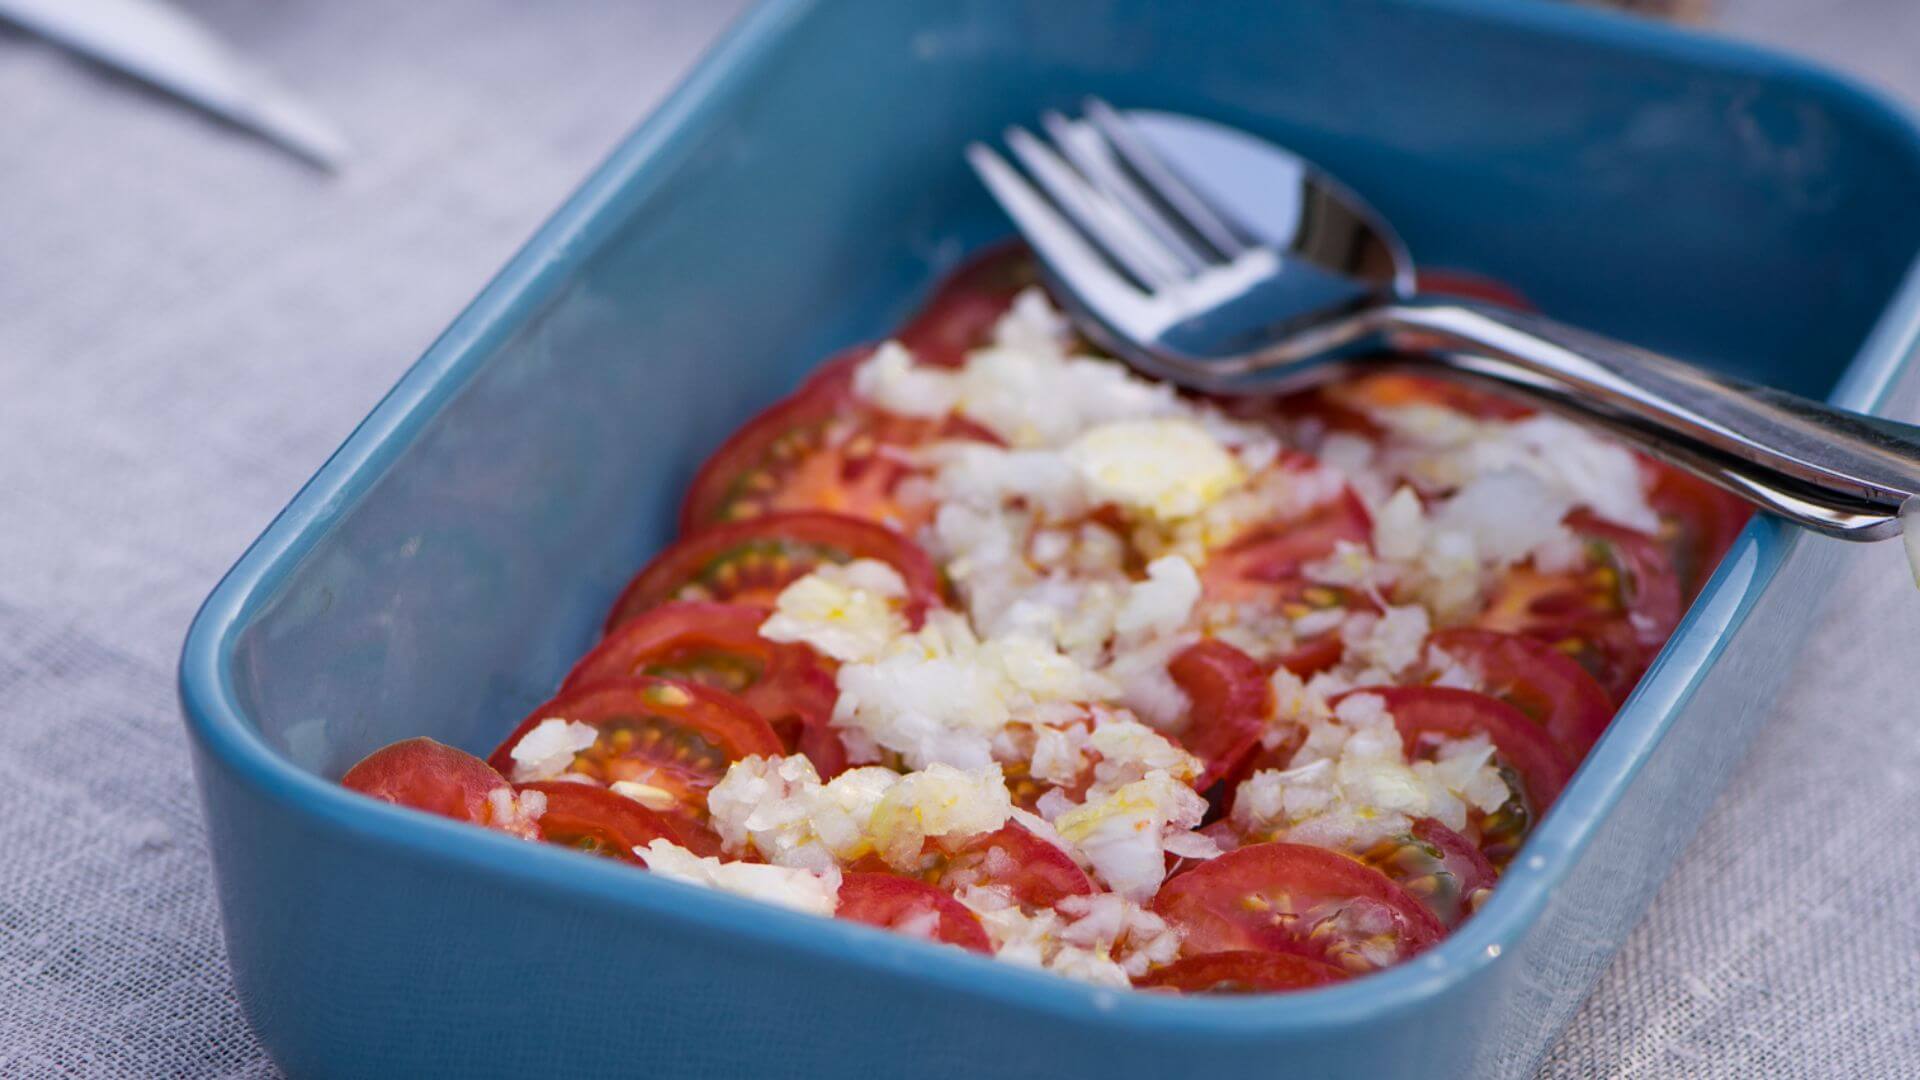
(798, 194)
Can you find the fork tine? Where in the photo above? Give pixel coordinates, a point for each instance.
(1090, 152)
(1085, 271)
(1104, 223)
(1163, 182)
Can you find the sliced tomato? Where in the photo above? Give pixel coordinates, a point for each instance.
(1037, 873)
(1297, 598)
(749, 562)
(1611, 616)
(432, 776)
(911, 907)
(1229, 700)
(1698, 523)
(1472, 286)
(1262, 565)
(1533, 765)
(1537, 679)
(719, 645)
(1424, 715)
(960, 315)
(592, 819)
(1438, 866)
(821, 448)
(1298, 899)
(676, 737)
(1241, 973)
(1401, 389)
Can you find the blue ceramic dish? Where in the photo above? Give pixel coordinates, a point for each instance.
(797, 194)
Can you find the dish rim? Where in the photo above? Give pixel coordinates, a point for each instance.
(643, 160)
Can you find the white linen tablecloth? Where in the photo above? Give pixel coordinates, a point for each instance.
(190, 322)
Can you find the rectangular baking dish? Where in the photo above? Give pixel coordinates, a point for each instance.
(797, 194)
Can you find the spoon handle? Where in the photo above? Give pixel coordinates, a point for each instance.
(1838, 472)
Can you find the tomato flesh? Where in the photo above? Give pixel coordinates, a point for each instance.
(1550, 688)
(1298, 899)
(1698, 523)
(675, 737)
(1426, 714)
(1230, 698)
(749, 562)
(912, 907)
(1534, 766)
(432, 776)
(820, 448)
(719, 645)
(594, 820)
(1262, 566)
(1037, 873)
(1241, 973)
(1611, 616)
(1438, 866)
(960, 315)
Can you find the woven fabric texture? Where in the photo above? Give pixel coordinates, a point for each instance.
(190, 322)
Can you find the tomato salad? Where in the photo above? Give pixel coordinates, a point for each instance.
(980, 637)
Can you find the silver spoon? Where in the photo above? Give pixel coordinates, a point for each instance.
(1209, 257)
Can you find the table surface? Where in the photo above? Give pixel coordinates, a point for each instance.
(189, 323)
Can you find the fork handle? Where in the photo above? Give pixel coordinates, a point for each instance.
(1838, 472)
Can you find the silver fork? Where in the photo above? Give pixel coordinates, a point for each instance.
(1135, 219)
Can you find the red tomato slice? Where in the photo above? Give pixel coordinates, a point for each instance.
(719, 645)
(1472, 286)
(598, 822)
(1241, 973)
(1230, 699)
(1611, 616)
(1037, 873)
(1439, 867)
(678, 737)
(1396, 389)
(1551, 689)
(1298, 899)
(1427, 714)
(1262, 566)
(1534, 766)
(432, 776)
(910, 907)
(749, 562)
(1297, 597)
(821, 448)
(1698, 523)
(961, 314)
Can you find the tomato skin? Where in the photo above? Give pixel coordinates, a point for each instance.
(676, 736)
(1472, 286)
(960, 315)
(1698, 523)
(1295, 898)
(593, 819)
(719, 645)
(1241, 973)
(1037, 873)
(427, 775)
(1263, 565)
(887, 900)
(1551, 689)
(1612, 616)
(822, 447)
(1423, 712)
(1399, 389)
(1230, 699)
(787, 546)
(1439, 867)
